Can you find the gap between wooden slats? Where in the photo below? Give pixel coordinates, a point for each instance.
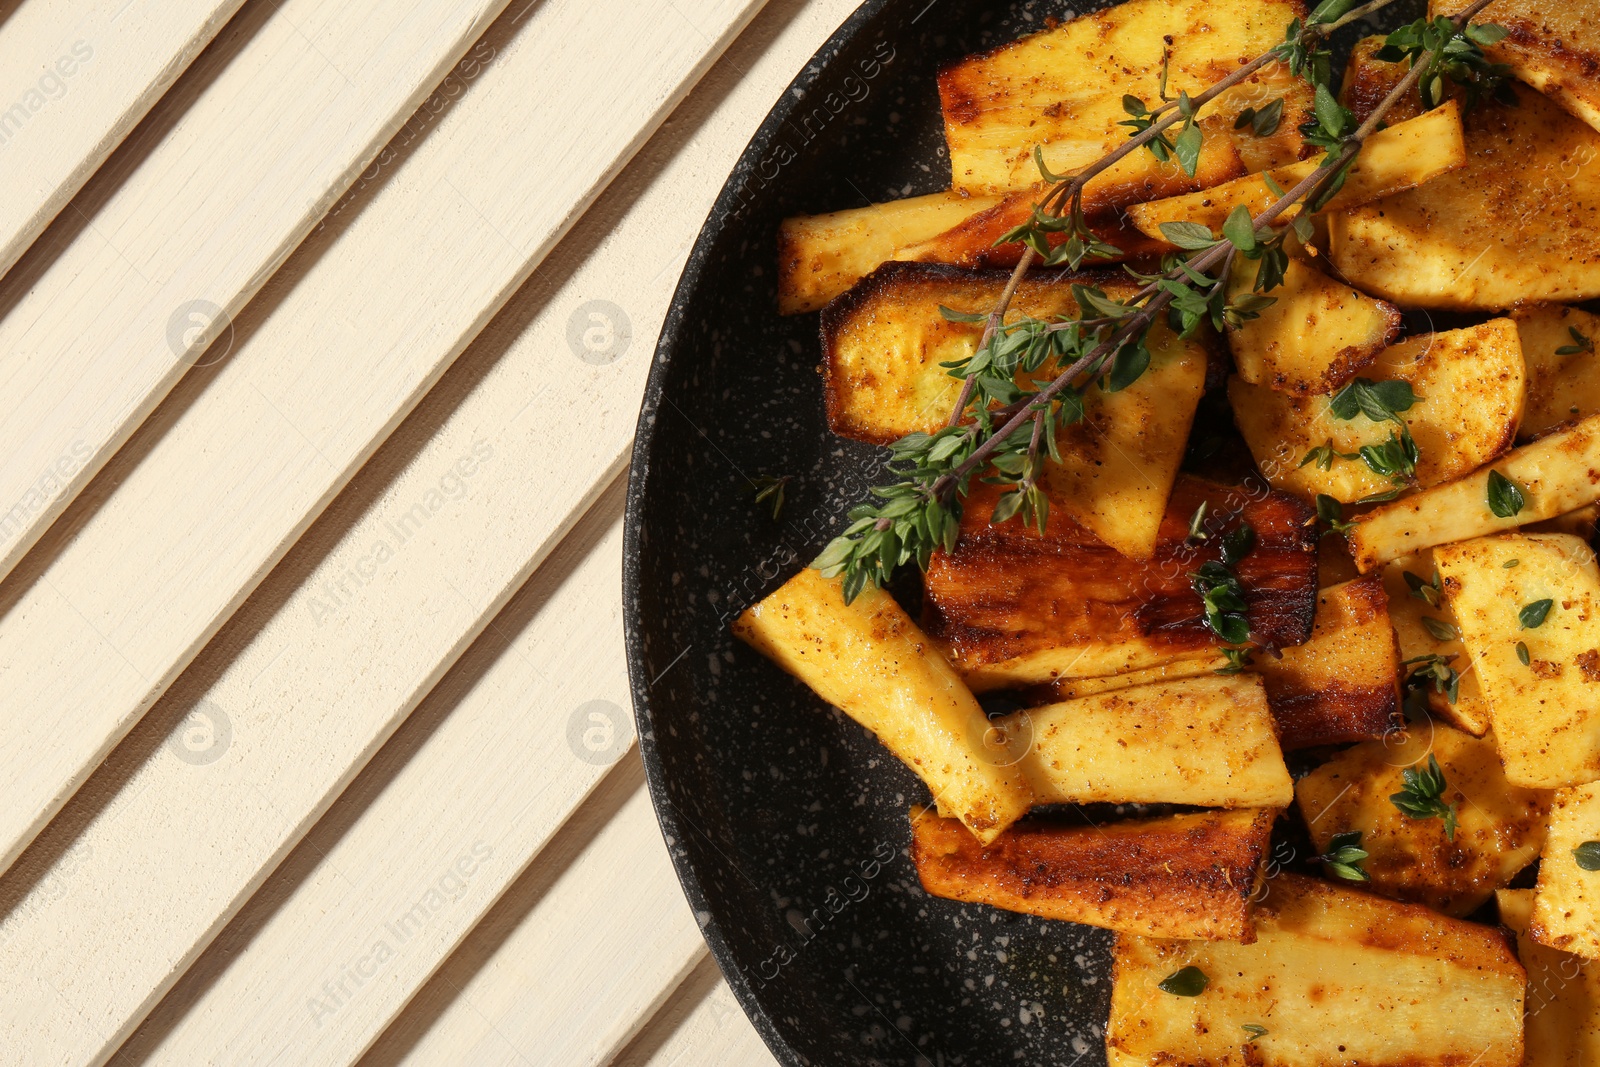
(700, 1025)
(715, 122)
(311, 695)
(251, 148)
(76, 78)
(433, 831)
(223, 479)
(568, 968)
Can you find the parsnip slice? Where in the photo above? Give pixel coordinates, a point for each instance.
(1515, 223)
(1555, 474)
(1062, 89)
(1471, 388)
(1336, 976)
(1206, 742)
(1469, 711)
(1553, 45)
(1566, 909)
(869, 660)
(821, 256)
(1187, 876)
(1546, 712)
(1317, 335)
(1336, 688)
(1400, 157)
(1563, 1000)
(1340, 685)
(1014, 608)
(1562, 386)
(883, 346)
(1500, 829)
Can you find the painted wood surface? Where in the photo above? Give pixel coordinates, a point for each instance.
(438, 826)
(183, 226)
(240, 801)
(251, 450)
(74, 80)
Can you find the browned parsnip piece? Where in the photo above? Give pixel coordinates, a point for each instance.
(1014, 608)
(1186, 876)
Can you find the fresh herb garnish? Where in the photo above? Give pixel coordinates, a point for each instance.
(1428, 592)
(1522, 654)
(1508, 564)
(1580, 343)
(1263, 122)
(1238, 660)
(1345, 857)
(1378, 401)
(1423, 796)
(1330, 511)
(1588, 855)
(770, 491)
(1436, 669)
(1238, 544)
(1189, 982)
(1324, 454)
(1532, 616)
(1395, 458)
(1441, 630)
(1256, 1033)
(1505, 498)
(1444, 53)
(1029, 377)
(1224, 601)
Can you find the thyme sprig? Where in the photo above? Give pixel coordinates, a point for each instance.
(1106, 347)
(1345, 857)
(1423, 796)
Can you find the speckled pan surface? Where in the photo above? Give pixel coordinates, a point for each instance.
(788, 823)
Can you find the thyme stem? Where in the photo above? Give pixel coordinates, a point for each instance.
(1201, 262)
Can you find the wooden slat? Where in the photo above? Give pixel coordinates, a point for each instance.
(346, 656)
(74, 79)
(219, 485)
(483, 773)
(701, 1024)
(562, 973)
(235, 166)
(211, 1016)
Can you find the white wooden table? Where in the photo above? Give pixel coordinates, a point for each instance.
(323, 329)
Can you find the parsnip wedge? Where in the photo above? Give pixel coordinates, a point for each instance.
(821, 256)
(1470, 386)
(1563, 369)
(1400, 157)
(1563, 1000)
(883, 344)
(1553, 45)
(1206, 742)
(1336, 976)
(1202, 665)
(1014, 608)
(1515, 223)
(1500, 830)
(1566, 909)
(1316, 336)
(1062, 89)
(975, 241)
(1186, 876)
(1545, 607)
(1555, 475)
(1340, 685)
(1336, 688)
(869, 660)
(1426, 627)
